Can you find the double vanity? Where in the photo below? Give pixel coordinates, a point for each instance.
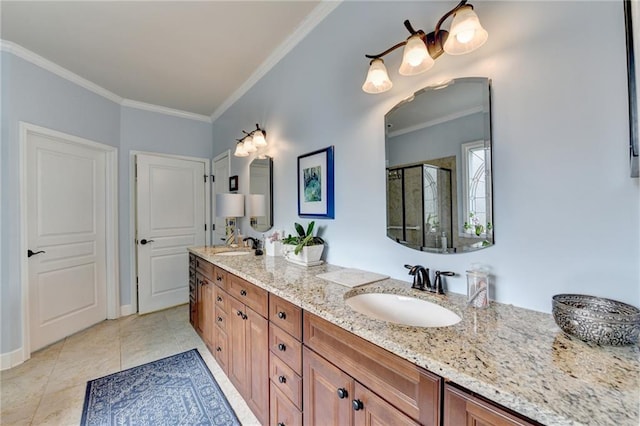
(301, 349)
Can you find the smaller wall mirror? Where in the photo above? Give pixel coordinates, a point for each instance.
(438, 166)
(260, 198)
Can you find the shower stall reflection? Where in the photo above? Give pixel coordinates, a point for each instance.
(419, 207)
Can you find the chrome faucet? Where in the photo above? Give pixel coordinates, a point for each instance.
(421, 279)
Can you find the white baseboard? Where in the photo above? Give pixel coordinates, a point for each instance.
(126, 310)
(11, 359)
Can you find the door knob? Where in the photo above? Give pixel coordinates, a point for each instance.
(144, 242)
(33, 253)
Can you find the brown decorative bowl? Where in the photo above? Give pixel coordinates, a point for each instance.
(597, 320)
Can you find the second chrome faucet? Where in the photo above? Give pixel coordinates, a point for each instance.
(421, 280)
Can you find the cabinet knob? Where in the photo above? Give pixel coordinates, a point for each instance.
(357, 405)
(219, 319)
(218, 349)
(282, 379)
(243, 292)
(342, 393)
(219, 299)
(281, 424)
(218, 278)
(242, 315)
(282, 347)
(282, 315)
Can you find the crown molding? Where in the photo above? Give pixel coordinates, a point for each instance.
(164, 110)
(29, 56)
(316, 16)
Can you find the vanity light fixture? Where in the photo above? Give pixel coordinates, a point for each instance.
(420, 49)
(251, 142)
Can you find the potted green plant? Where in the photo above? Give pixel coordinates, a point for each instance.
(303, 248)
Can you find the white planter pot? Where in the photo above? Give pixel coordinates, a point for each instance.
(308, 254)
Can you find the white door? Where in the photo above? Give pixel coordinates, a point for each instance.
(66, 228)
(221, 169)
(170, 196)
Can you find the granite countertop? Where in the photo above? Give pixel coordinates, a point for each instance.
(516, 357)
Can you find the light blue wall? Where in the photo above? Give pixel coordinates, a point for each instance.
(151, 132)
(566, 210)
(34, 95)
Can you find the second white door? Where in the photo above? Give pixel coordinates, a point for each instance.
(170, 197)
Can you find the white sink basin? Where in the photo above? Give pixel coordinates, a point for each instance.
(403, 310)
(234, 253)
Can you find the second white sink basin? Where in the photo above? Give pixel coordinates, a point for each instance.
(234, 253)
(403, 310)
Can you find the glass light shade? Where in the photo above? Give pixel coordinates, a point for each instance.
(377, 78)
(248, 145)
(259, 139)
(240, 151)
(229, 205)
(466, 33)
(416, 58)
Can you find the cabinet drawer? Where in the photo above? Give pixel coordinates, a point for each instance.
(204, 267)
(413, 390)
(254, 297)
(222, 300)
(286, 315)
(285, 347)
(220, 277)
(286, 380)
(461, 407)
(283, 411)
(221, 319)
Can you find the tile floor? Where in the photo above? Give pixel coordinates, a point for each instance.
(49, 388)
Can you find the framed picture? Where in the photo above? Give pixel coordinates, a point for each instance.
(315, 184)
(233, 183)
(632, 26)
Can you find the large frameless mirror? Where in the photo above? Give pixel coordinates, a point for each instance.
(260, 198)
(438, 166)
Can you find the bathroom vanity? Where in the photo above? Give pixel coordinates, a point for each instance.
(299, 354)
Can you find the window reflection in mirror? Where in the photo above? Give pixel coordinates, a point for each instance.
(438, 161)
(260, 206)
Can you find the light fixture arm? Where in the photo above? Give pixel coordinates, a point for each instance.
(449, 13)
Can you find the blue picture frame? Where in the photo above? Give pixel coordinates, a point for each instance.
(316, 184)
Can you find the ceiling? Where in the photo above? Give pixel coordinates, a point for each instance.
(183, 55)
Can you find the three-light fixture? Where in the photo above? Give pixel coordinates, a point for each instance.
(251, 142)
(420, 49)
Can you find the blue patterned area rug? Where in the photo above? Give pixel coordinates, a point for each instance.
(178, 390)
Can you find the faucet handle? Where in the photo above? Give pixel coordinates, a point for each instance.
(437, 282)
(418, 282)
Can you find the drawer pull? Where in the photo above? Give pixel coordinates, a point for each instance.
(218, 349)
(282, 379)
(282, 315)
(342, 393)
(282, 347)
(219, 319)
(243, 292)
(281, 424)
(218, 277)
(357, 405)
(219, 299)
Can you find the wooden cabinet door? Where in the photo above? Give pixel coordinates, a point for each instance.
(327, 392)
(207, 325)
(236, 345)
(371, 410)
(199, 308)
(257, 364)
(463, 409)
